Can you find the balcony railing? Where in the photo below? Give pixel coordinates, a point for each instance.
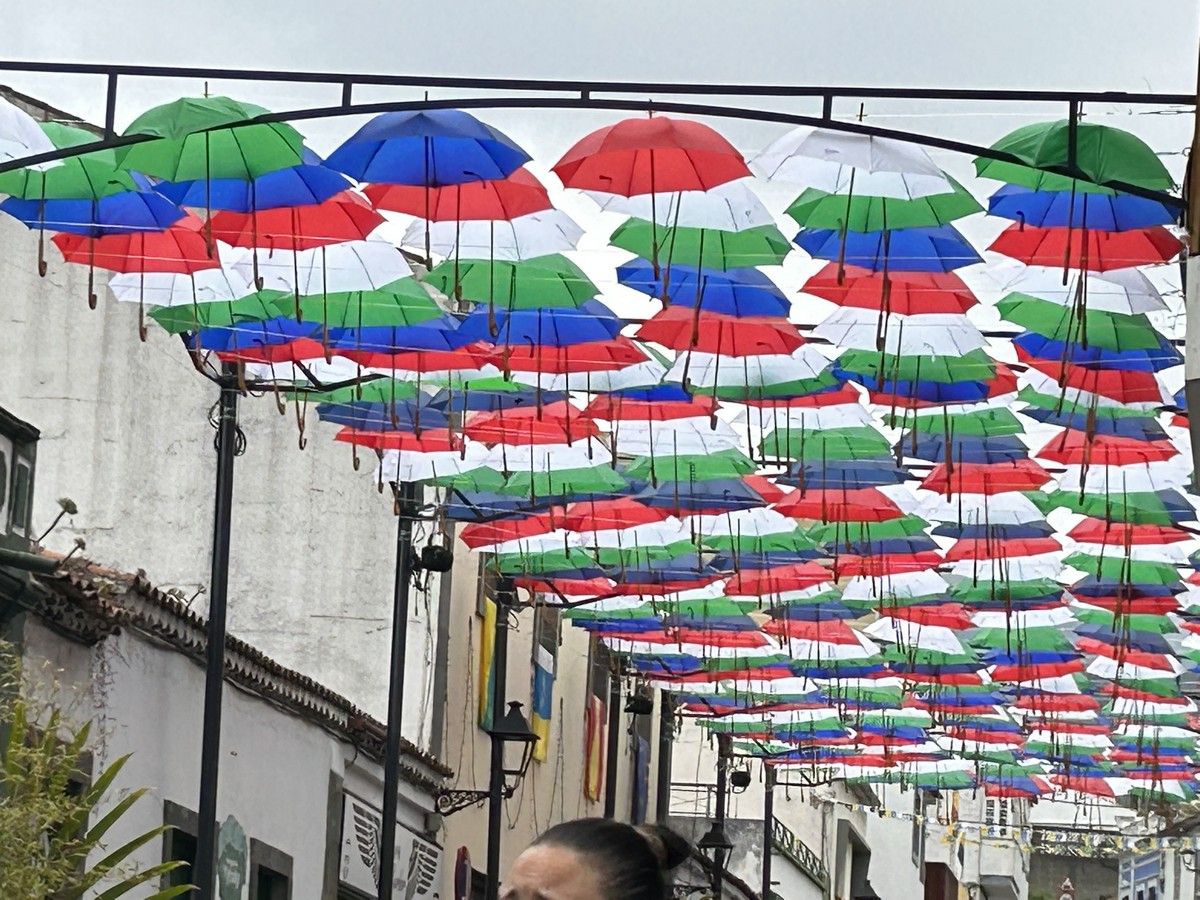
(807, 861)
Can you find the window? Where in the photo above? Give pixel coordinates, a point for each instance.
(19, 511)
(270, 873)
(179, 843)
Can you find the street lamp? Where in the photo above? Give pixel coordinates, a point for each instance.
(716, 845)
(513, 729)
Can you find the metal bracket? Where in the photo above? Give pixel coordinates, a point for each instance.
(453, 800)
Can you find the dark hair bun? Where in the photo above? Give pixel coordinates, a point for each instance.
(670, 847)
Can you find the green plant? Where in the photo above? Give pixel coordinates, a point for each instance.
(50, 828)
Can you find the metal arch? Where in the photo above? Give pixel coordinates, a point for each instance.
(585, 101)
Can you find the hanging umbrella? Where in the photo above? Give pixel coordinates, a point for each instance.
(732, 206)
(702, 248)
(737, 292)
(214, 285)
(1111, 331)
(1103, 155)
(683, 329)
(300, 185)
(343, 217)
(940, 249)
(907, 293)
(553, 327)
(790, 157)
(1125, 291)
(88, 176)
(934, 334)
(539, 282)
(20, 135)
(856, 210)
(518, 194)
(343, 266)
(1097, 251)
(645, 156)
(1108, 211)
(526, 237)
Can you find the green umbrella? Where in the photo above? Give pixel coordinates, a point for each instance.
(779, 542)
(704, 248)
(1089, 327)
(257, 307)
(826, 444)
(1137, 508)
(192, 145)
(1103, 155)
(973, 366)
(380, 390)
(690, 467)
(403, 302)
(781, 390)
(539, 283)
(1069, 406)
(905, 526)
(821, 209)
(982, 423)
(968, 591)
(1039, 638)
(599, 479)
(1129, 571)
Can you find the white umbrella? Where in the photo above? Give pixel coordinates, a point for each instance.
(712, 369)
(1011, 568)
(744, 523)
(728, 207)
(558, 539)
(1125, 291)
(20, 136)
(540, 458)
(348, 266)
(1008, 508)
(1023, 618)
(648, 534)
(915, 635)
(177, 289)
(815, 418)
(535, 234)
(929, 334)
(413, 465)
(901, 585)
(674, 437)
(1136, 478)
(789, 157)
(637, 375)
(1044, 384)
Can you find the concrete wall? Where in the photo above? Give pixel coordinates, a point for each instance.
(125, 434)
(1095, 879)
(145, 699)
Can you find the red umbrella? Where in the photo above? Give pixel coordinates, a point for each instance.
(885, 564)
(343, 217)
(831, 631)
(1121, 385)
(501, 199)
(483, 534)
(615, 408)
(1135, 606)
(473, 356)
(947, 615)
(1003, 382)
(765, 488)
(779, 580)
(566, 587)
(844, 394)
(551, 423)
(591, 356)
(298, 350)
(605, 515)
(681, 328)
(1078, 449)
(984, 548)
(1054, 703)
(983, 478)
(908, 293)
(854, 505)
(651, 155)
(1102, 531)
(428, 442)
(1097, 251)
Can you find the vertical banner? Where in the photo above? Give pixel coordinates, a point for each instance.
(596, 721)
(487, 646)
(543, 700)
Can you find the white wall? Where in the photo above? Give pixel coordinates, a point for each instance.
(125, 434)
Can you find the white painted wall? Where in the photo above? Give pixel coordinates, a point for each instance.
(125, 435)
(145, 699)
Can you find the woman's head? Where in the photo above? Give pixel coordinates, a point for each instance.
(596, 859)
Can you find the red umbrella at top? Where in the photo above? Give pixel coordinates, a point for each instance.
(590, 356)
(779, 580)
(501, 199)
(484, 534)
(998, 548)
(1102, 531)
(614, 408)
(908, 293)
(681, 328)
(606, 515)
(1121, 385)
(1096, 251)
(650, 156)
(343, 217)
(982, 478)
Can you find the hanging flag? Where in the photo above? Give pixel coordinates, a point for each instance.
(487, 646)
(546, 629)
(595, 722)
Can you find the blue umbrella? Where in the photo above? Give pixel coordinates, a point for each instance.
(553, 327)
(1153, 359)
(917, 543)
(738, 292)
(1146, 428)
(114, 214)
(848, 474)
(253, 335)
(471, 400)
(995, 532)
(436, 334)
(929, 391)
(431, 147)
(1062, 209)
(402, 415)
(295, 186)
(724, 494)
(966, 449)
(940, 249)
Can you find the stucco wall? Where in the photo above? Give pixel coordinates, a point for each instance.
(125, 434)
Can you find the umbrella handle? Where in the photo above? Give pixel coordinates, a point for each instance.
(142, 331)
(42, 267)
(92, 299)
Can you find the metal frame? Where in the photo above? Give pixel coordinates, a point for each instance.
(546, 94)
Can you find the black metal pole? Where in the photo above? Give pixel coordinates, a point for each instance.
(666, 746)
(724, 756)
(614, 745)
(406, 509)
(768, 824)
(496, 793)
(228, 435)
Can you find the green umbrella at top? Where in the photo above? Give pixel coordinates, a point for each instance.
(973, 366)
(380, 390)
(257, 307)
(192, 145)
(991, 422)
(825, 444)
(89, 176)
(1103, 155)
(1089, 327)
(403, 302)
(539, 283)
(821, 209)
(705, 248)
(1129, 571)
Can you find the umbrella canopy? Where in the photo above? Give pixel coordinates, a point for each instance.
(302, 185)
(86, 176)
(788, 157)
(940, 249)
(191, 144)
(526, 237)
(904, 293)
(1097, 251)
(728, 207)
(343, 217)
(1110, 211)
(180, 248)
(113, 214)
(536, 283)
(646, 156)
(433, 147)
(856, 211)
(738, 292)
(20, 135)
(499, 199)
(703, 248)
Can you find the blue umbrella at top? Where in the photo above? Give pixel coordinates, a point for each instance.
(553, 327)
(295, 186)
(427, 147)
(114, 214)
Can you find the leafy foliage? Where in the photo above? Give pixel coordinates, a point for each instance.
(50, 830)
